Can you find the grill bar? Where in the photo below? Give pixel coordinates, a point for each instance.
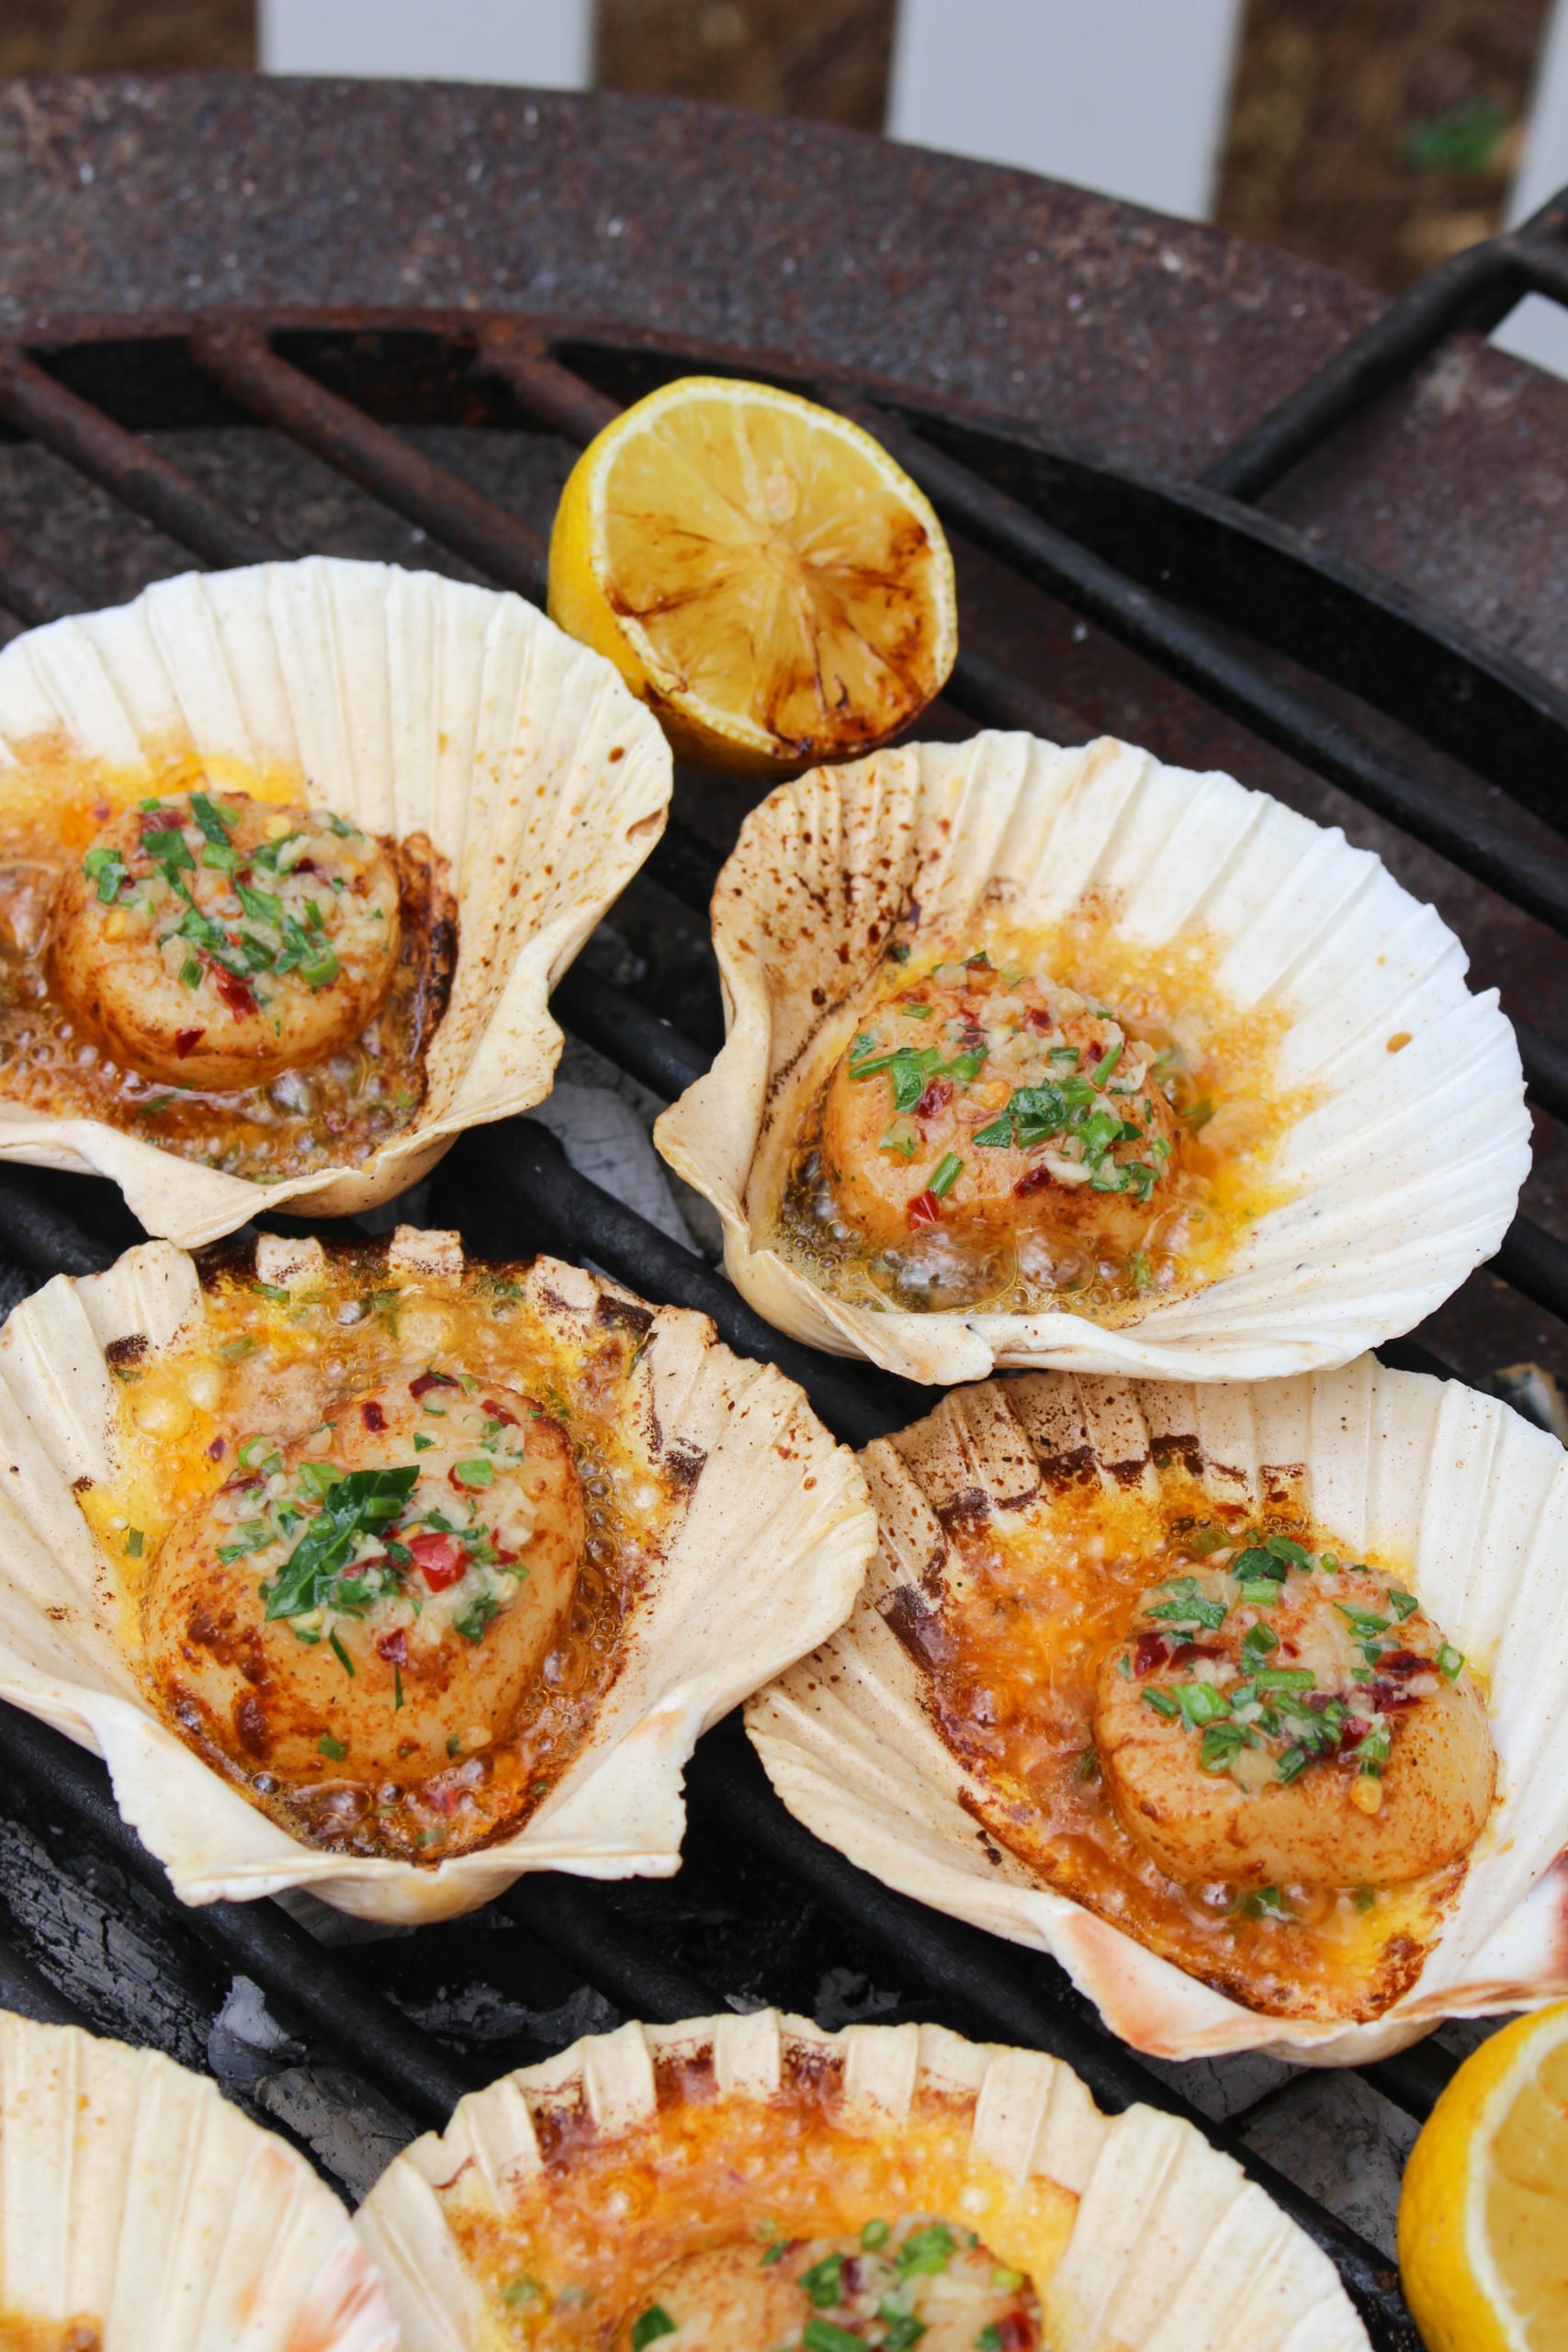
(572, 1917)
(31, 587)
(124, 463)
(1187, 649)
(246, 365)
(1475, 288)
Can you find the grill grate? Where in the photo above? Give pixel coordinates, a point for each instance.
(1100, 542)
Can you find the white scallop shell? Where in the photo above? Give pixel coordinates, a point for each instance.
(410, 702)
(1403, 1178)
(133, 2197)
(775, 1534)
(1469, 1499)
(1171, 2248)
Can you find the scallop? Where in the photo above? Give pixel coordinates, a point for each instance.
(140, 2199)
(252, 815)
(1238, 1700)
(395, 1574)
(742, 2182)
(1363, 1154)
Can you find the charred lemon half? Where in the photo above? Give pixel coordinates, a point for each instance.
(761, 572)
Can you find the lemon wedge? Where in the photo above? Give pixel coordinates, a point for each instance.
(1484, 2215)
(759, 571)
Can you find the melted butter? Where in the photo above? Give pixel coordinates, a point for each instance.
(1012, 1656)
(261, 1364)
(575, 2249)
(1224, 1177)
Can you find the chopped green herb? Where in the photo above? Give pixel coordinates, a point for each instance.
(236, 1350)
(363, 1501)
(270, 1290)
(917, 1011)
(926, 2252)
(190, 972)
(873, 2235)
(822, 2283)
(1402, 1603)
(1219, 1743)
(1449, 1661)
(1186, 1603)
(328, 1746)
(106, 867)
(341, 1653)
(478, 1472)
(827, 2335)
(476, 1617)
(1255, 1561)
(423, 1441)
(213, 820)
(945, 1175)
(1162, 1701)
(1197, 1115)
(1258, 1644)
(133, 1542)
(650, 2326)
(989, 2338)
(522, 2292)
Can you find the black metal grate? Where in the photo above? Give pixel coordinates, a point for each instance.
(1109, 545)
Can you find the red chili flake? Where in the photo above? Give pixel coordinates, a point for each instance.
(1389, 1697)
(236, 994)
(187, 1040)
(440, 1559)
(973, 1035)
(499, 1412)
(1035, 1181)
(429, 1380)
(1149, 1652)
(304, 865)
(924, 1209)
(1016, 2332)
(1402, 1662)
(1185, 1652)
(217, 1449)
(1355, 1727)
(937, 1096)
(372, 1416)
(1038, 1018)
(393, 1647)
(851, 2278)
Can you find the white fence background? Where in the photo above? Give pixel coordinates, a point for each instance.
(1128, 96)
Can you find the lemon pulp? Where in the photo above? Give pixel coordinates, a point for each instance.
(1483, 2218)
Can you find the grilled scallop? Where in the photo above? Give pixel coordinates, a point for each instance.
(214, 941)
(1286, 1718)
(912, 2282)
(371, 1602)
(977, 1102)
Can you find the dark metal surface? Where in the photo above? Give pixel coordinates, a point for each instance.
(397, 281)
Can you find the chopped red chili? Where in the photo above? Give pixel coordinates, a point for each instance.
(1149, 1652)
(937, 1096)
(393, 1647)
(372, 1416)
(429, 1380)
(439, 1559)
(236, 994)
(924, 1209)
(187, 1040)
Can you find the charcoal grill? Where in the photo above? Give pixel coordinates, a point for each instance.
(225, 303)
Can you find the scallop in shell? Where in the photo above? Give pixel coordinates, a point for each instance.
(396, 1576)
(737, 2179)
(1334, 1601)
(1040, 1057)
(209, 800)
(142, 2208)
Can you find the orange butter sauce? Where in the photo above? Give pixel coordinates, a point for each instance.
(1012, 1651)
(279, 1364)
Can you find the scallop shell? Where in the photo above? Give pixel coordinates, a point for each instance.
(137, 2200)
(1167, 2245)
(775, 1534)
(1401, 1179)
(410, 702)
(1471, 1499)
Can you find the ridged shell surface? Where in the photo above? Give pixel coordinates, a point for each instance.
(771, 1543)
(1471, 1498)
(1400, 1178)
(410, 704)
(135, 2199)
(1168, 2246)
